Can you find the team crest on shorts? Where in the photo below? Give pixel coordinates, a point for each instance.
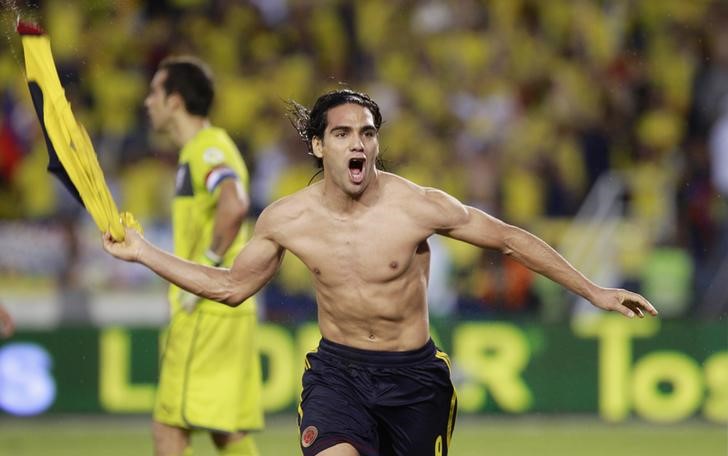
(308, 436)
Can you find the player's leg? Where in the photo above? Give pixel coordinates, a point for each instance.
(424, 424)
(333, 419)
(423, 429)
(235, 444)
(330, 424)
(169, 440)
(223, 386)
(170, 433)
(342, 449)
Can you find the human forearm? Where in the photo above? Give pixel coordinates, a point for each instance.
(205, 281)
(485, 231)
(538, 256)
(223, 235)
(212, 283)
(232, 208)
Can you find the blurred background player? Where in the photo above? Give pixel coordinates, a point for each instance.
(210, 376)
(6, 323)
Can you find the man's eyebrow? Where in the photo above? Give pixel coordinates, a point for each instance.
(347, 127)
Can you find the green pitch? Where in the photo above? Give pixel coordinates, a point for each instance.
(114, 436)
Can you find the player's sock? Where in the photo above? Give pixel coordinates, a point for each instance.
(243, 447)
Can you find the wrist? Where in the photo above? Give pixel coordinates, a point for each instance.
(212, 258)
(139, 253)
(592, 292)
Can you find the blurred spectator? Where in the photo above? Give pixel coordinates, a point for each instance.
(702, 195)
(6, 323)
(715, 298)
(718, 143)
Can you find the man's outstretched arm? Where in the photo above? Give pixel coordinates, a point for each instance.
(475, 227)
(254, 266)
(538, 256)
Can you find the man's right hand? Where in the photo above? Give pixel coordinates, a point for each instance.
(129, 249)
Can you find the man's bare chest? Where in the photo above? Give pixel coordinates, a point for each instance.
(340, 252)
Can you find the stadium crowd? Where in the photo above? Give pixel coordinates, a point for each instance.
(522, 108)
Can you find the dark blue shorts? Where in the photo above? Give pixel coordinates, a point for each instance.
(382, 403)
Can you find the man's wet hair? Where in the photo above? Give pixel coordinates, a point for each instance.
(192, 79)
(312, 123)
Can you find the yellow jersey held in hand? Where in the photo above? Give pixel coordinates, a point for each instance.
(71, 154)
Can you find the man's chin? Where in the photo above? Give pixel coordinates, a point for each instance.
(159, 129)
(355, 190)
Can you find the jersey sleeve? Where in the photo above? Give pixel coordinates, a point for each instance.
(213, 167)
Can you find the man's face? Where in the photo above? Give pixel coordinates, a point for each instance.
(158, 103)
(349, 148)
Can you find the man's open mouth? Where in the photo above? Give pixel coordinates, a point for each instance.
(356, 170)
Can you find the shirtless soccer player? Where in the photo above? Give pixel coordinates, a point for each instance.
(377, 385)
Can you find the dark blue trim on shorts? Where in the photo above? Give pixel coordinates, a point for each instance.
(377, 357)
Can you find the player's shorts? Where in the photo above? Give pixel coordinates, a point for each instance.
(382, 403)
(210, 375)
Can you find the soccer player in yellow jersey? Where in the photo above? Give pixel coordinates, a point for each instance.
(210, 375)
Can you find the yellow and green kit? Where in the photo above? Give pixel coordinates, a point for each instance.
(210, 375)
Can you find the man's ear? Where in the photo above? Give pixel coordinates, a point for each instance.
(318, 147)
(175, 101)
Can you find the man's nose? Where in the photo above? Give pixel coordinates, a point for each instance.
(357, 143)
